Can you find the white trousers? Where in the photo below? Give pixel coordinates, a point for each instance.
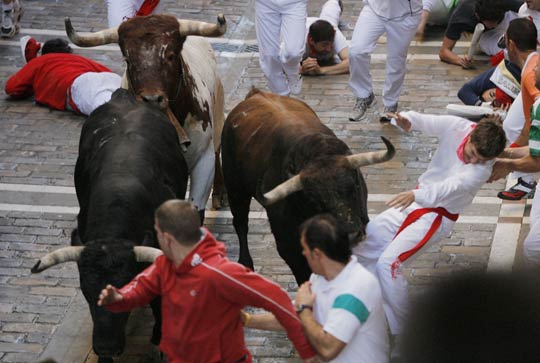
(399, 33)
(119, 10)
(92, 89)
(281, 21)
(380, 250)
(512, 125)
(331, 11)
(489, 39)
(531, 245)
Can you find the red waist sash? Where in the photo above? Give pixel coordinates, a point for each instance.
(413, 217)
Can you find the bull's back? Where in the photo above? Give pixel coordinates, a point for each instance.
(129, 162)
(265, 124)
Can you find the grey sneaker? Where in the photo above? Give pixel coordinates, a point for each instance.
(361, 107)
(388, 109)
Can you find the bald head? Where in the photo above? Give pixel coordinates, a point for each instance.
(180, 219)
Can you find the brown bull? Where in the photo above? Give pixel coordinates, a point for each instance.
(278, 144)
(170, 65)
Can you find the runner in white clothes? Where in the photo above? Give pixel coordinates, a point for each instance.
(120, 10)
(277, 22)
(423, 216)
(399, 20)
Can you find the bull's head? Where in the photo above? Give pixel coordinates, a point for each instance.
(152, 46)
(334, 185)
(100, 264)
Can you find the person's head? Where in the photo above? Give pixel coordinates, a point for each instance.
(321, 36)
(489, 12)
(177, 221)
(533, 4)
(320, 235)
(486, 141)
(56, 45)
(475, 318)
(520, 39)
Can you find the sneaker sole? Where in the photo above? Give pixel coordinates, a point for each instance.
(503, 196)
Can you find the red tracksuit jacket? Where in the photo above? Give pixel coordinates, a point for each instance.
(49, 77)
(201, 303)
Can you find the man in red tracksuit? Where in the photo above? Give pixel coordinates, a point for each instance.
(202, 293)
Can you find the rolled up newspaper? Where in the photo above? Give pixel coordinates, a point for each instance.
(478, 30)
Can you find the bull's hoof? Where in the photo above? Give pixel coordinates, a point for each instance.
(219, 201)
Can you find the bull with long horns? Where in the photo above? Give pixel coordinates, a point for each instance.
(279, 145)
(171, 65)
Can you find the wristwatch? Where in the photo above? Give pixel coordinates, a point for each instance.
(303, 307)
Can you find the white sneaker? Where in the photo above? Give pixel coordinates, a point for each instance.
(10, 20)
(295, 85)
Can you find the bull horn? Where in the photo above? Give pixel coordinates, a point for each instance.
(102, 37)
(61, 255)
(374, 157)
(193, 27)
(146, 254)
(284, 189)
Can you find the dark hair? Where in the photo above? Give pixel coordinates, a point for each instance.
(488, 137)
(491, 10)
(321, 31)
(56, 45)
(475, 318)
(325, 233)
(523, 33)
(180, 219)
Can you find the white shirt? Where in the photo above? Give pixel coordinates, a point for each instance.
(395, 9)
(349, 307)
(448, 182)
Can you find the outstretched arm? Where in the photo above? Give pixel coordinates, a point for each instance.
(447, 55)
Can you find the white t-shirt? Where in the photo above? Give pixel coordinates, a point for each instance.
(350, 308)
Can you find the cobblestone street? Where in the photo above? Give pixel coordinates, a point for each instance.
(45, 315)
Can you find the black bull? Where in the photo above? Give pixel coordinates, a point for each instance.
(129, 162)
(278, 144)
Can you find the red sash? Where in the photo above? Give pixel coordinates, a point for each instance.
(413, 217)
(147, 7)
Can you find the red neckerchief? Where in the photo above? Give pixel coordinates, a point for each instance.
(147, 7)
(461, 148)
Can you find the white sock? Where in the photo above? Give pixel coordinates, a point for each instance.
(7, 7)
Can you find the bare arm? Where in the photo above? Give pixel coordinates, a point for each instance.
(326, 345)
(447, 55)
(422, 25)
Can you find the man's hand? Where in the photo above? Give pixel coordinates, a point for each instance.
(310, 67)
(305, 296)
(402, 200)
(401, 121)
(109, 295)
(500, 170)
(466, 62)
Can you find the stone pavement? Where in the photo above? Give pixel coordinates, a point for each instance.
(45, 315)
